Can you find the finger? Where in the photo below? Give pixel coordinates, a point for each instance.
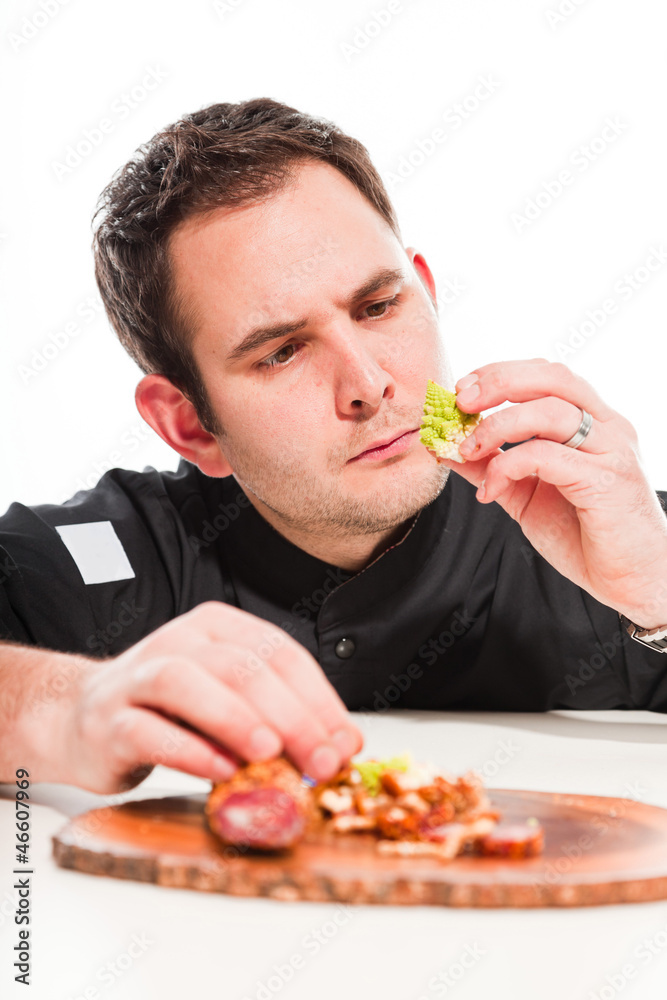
(183, 688)
(305, 738)
(473, 472)
(548, 418)
(140, 739)
(219, 622)
(233, 759)
(583, 479)
(291, 661)
(320, 697)
(216, 622)
(520, 381)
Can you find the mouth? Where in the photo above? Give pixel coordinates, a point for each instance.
(385, 449)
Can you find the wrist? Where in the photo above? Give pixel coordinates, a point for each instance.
(647, 616)
(47, 726)
(653, 638)
(648, 609)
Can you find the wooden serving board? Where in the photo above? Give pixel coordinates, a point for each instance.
(597, 850)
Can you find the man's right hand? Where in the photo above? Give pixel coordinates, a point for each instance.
(210, 688)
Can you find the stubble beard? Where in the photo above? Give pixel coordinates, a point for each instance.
(303, 502)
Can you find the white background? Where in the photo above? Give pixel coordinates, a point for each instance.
(390, 86)
(63, 426)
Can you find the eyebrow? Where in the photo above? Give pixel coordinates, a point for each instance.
(264, 334)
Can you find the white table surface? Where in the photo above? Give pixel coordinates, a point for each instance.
(209, 945)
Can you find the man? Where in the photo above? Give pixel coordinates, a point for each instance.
(309, 554)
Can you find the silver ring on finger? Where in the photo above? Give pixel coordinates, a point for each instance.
(582, 431)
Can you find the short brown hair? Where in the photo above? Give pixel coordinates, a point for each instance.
(222, 155)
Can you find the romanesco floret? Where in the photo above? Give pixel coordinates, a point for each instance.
(370, 770)
(444, 426)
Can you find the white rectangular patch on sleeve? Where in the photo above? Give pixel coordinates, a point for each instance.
(97, 550)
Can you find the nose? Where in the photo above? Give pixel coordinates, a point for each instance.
(361, 381)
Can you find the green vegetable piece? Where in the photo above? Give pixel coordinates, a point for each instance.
(444, 426)
(370, 770)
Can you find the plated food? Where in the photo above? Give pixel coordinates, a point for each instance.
(444, 426)
(411, 810)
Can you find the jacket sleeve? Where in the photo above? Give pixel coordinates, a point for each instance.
(95, 574)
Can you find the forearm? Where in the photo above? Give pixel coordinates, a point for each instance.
(38, 688)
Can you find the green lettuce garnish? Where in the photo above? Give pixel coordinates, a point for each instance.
(370, 770)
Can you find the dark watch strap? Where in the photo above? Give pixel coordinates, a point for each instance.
(655, 638)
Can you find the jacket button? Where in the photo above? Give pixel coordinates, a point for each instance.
(344, 649)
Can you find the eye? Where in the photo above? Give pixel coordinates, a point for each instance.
(386, 304)
(286, 354)
(281, 358)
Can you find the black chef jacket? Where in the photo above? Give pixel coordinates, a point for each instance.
(461, 613)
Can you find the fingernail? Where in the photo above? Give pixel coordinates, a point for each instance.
(222, 769)
(264, 743)
(324, 763)
(467, 381)
(470, 392)
(346, 742)
(468, 445)
(481, 492)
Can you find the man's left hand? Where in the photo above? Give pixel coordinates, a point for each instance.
(589, 511)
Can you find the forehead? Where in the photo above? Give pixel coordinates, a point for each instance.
(318, 232)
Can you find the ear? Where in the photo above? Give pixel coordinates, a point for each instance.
(424, 272)
(173, 417)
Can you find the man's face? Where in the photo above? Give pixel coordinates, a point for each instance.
(297, 410)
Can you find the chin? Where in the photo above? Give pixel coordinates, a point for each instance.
(401, 490)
